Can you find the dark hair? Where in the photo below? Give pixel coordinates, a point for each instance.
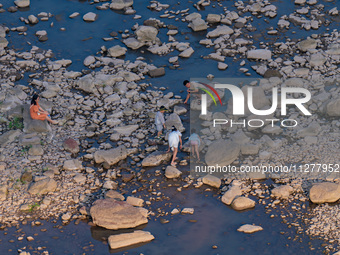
(174, 128)
(193, 130)
(34, 99)
(185, 82)
(163, 108)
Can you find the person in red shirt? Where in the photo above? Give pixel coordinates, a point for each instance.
(38, 113)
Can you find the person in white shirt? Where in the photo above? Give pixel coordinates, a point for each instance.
(160, 121)
(175, 137)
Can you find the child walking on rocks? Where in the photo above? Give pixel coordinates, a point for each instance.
(175, 137)
(159, 121)
(195, 142)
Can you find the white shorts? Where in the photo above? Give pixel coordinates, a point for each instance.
(159, 127)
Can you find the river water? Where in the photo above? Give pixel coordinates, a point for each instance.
(213, 223)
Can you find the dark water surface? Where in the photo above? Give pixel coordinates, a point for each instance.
(213, 223)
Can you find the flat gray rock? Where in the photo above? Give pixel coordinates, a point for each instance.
(112, 214)
(212, 181)
(42, 187)
(242, 203)
(222, 153)
(31, 125)
(112, 156)
(127, 239)
(120, 4)
(325, 192)
(248, 229)
(116, 51)
(172, 172)
(156, 158)
(22, 3)
(146, 33)
(9, 137)
(133, 43)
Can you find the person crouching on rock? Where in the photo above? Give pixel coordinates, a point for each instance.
(38, 113)
(195, 142)
(159, 121)
(174, 138)
(191, 89)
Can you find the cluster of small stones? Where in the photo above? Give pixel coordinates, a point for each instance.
(322, 222)
(230, 38)
(113, 104)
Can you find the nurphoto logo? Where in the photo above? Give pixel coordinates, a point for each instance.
(239, 105)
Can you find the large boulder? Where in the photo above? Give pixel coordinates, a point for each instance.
(213, 18)
(242, 203)
(3, 42)
(22, 3)
(332, 108)
(157, 72)
(133, 43)
(36, 150)
(31, 125)
(220, 30)
(42, 187)
(333, 49)
(135, 201)
(172, 172)
(87, 84)
(146, 33)
(317, 60)
(127, 239)
(283, 191)
(90, 17)
(9, 137)
(308, 44)
(198, 25)
(231, 194)
(116, 51)
(128, 76)
(187, 53)
(212, 181)
(174, 120)
(260, 54)
(112, 214)
(112, 156)
(193, 16)
(71, 146)
(313, 129)
(120, 4)
(222, 153)
(156, 158)
(325, 192)
(72, 165)
(89, 60)
(126, 130)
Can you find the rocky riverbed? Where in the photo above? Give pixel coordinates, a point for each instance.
(101, 162)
